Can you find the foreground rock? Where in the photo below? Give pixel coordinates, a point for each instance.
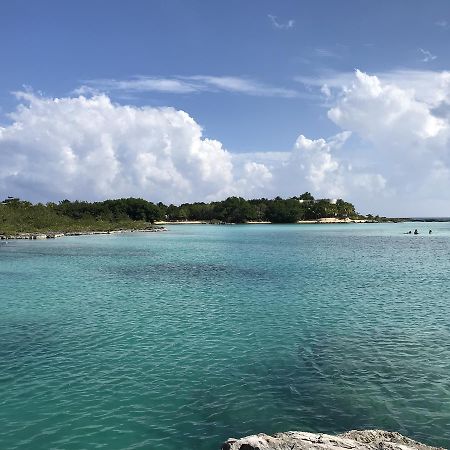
(352, 440)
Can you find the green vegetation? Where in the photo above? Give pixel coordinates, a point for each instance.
(277, 210)
(18, 216)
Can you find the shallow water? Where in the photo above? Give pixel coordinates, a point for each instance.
(183, 339)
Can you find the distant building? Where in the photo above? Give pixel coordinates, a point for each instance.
(332, 201)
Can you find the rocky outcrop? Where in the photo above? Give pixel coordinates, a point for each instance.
(53, 235)
(352, 440)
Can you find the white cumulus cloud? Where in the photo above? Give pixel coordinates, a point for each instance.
(90, 148)
(316, 165)
(381, 110)
(406, 130)
(327, 170)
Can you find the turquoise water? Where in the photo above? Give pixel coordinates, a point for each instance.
(183, 339)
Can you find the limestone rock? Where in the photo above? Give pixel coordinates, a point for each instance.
(352, 440)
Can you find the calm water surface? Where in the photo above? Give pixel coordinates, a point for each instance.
(183, 339)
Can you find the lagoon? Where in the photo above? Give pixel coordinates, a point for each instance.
(183, 339)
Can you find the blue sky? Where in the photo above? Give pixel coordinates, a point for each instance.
(250, 73)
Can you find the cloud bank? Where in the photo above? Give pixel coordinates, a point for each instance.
(92, 148)
(404, 125)
(391, 156)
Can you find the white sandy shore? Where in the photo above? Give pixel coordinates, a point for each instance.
(333, 220)
(182, 222)
(323, 220)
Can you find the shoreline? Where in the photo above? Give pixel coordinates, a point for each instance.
(324, 220)
(334, 220)
(55, 235)
(159, 226)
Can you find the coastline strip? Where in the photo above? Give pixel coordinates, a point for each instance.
(51, 235)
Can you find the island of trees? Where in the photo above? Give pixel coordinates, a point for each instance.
(19, 216)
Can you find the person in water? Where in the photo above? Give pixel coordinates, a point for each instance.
(430, 232)
(415, 231)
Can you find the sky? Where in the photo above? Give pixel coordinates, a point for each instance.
(193, 100)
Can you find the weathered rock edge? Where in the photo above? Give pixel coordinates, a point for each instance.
(54, 235)
(352, 440)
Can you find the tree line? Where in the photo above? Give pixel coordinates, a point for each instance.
(231, 210)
